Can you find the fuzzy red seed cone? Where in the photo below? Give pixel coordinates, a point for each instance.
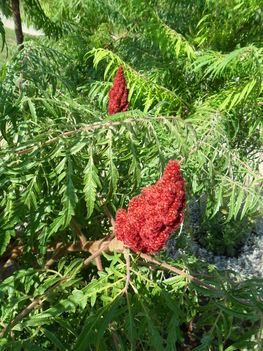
(155, 214)
(118, 94)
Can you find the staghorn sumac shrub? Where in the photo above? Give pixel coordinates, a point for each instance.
(59, 152)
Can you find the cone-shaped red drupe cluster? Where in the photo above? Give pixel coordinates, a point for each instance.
(118, 94)
(155, 214)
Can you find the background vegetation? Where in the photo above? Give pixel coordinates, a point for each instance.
(194, 73)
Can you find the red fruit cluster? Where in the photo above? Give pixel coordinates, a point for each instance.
(155, 214)
(118, 94)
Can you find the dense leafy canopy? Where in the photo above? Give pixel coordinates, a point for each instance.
(194, 74)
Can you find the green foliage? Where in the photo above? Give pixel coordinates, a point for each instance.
(226, 25)
(6, 8)
(36, 15)
(222, 237)
(2, 33)
(78, 316)
(195, 95)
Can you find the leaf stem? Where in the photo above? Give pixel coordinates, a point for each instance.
(128, 272)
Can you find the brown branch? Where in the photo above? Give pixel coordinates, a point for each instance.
(75, 247)
(60, 249)
(120, 36)
(50, 141)
(177, 271)
(25, 312)
(192, 278)
(81, 236)
(18, 25)
(87, 128)
(21, 74)
(98, 263)
(31, 306)
(114, 336)
(115, 340)
(5, 328)
(94, 247)
(106, 210)
(103, 246)
(14, 253)
(109, 243)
